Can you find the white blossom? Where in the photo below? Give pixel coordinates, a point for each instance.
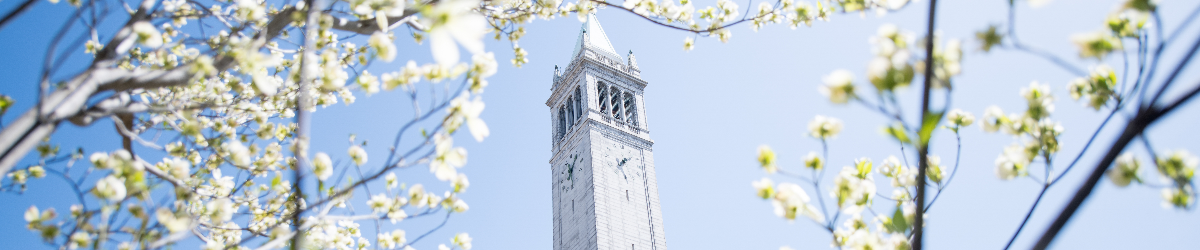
(172, 223)
(765, 188)
(823, 127)
(221, 185)
(447, 157)
(464, 111)
(460, 183)
(1127, 169)
(854, 188)
(390, 180)
(79, 239)
(380, 203)
(322, 166)
(766, 158)
(459, 206)
(462, 240)
(993, 119)
(839, 86)
(382, 44)
(238, 154)
(960, 118)
(220, 210)
(32, 214)
(147, 34)
(178, 168)
(251, 10)
(110, 188)
(357, 154)
(1013, 162)
(814, 161)
(393, 239)
(453, 23)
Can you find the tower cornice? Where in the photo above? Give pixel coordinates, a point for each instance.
(579, 63)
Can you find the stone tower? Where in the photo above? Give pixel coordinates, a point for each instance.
(605, 193)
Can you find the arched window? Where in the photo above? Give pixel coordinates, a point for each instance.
(570, 113)
(602, 91)
(630, 109)
(578, 104)
(615, 101)
(562, 121)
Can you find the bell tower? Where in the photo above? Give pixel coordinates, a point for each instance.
(604, 188)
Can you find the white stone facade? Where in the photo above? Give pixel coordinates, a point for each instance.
(604, 188)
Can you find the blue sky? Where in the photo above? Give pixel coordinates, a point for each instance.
(708, 111)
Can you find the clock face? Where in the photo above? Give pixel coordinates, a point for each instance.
(566, 174)
(626, 163)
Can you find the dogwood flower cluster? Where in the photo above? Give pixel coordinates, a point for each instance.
(1037, 135)
(894, 66)
(766, 158)
(227, 175)
(1034, 127)
(839, 86)
(507, 17)
(902, 176)
(823, 127)
(854, 187)
(1097, 44)
(855, 233)
(1098, 88)
(1127, 169)
(959, 119)
(1176, 169)
(1127, 21)
(789, 200)
(853, 192)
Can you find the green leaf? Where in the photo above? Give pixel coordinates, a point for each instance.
(5, 103)
(928, 125)
(47, 150)
(896, 130)
(863, 167)
(899, 224)
(934, 173)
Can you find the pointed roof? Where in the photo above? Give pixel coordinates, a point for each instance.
(596, 39)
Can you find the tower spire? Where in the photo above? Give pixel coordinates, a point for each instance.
(593, 36)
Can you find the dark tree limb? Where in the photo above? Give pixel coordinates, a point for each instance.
(922, 143)
(1135, 127)
(16, 12)
(1145, 117)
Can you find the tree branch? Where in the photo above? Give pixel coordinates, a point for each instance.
(922, 144)
(30, 128)
(308, 68)
(1144, 118)
(16, 12)
(368, 27)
